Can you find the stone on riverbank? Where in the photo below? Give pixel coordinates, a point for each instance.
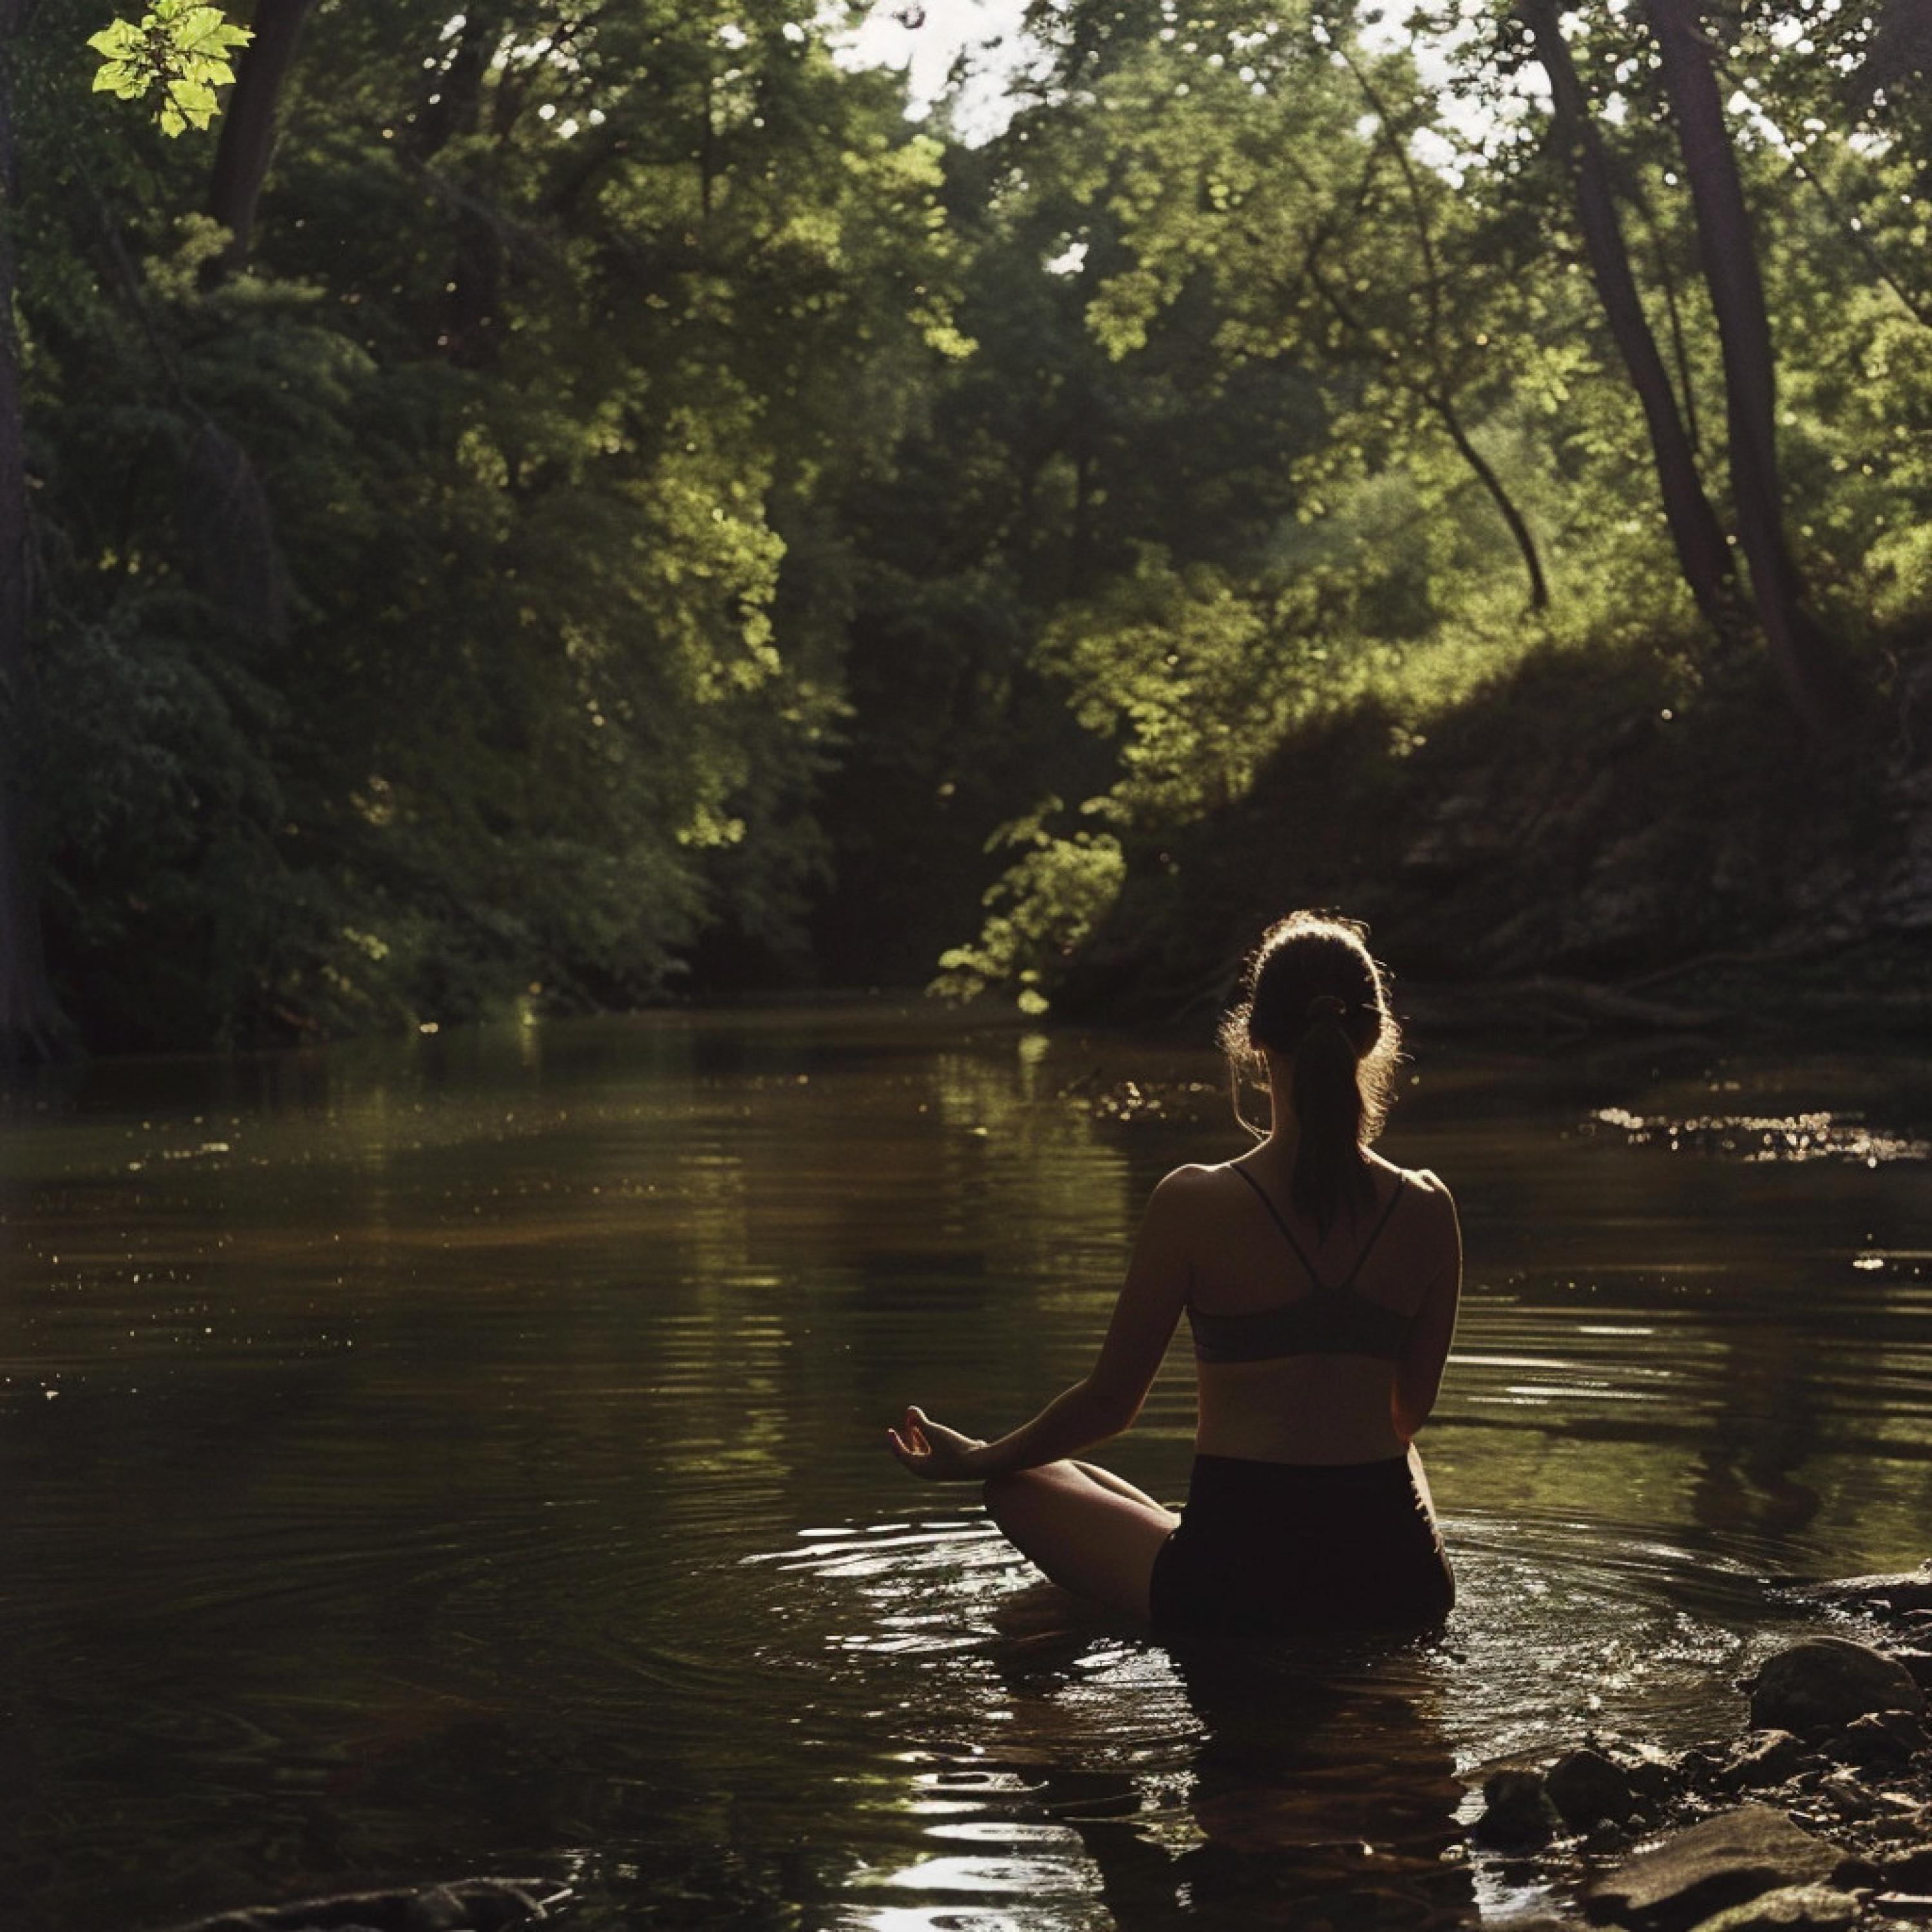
(1727, 1860)
(1918, 1663)
(1910, 1871)
(1904, 1591)
(1828, 1682)
(1881, 1741)
(1762, 1759)
(1792, 1908)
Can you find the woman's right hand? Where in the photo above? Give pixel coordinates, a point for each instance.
(932, 1450)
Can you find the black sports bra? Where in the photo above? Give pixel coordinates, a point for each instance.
(1337, 1321)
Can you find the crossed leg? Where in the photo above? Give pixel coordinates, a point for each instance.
(1092, 1532)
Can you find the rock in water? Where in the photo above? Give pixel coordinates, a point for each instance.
(1793, 1908)
(1517, 1814)
(1825, 1682)
(1727, 1860)
(1586, 1787)
(1905, 1590)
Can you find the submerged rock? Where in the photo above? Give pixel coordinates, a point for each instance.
(1825, 1683)
(1727, 1860)
(466, 1905)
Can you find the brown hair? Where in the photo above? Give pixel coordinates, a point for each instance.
(1311, 991)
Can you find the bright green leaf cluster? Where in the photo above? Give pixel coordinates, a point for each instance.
(179, 52)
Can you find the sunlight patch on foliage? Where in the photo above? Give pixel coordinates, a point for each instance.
(1053, 895)
(177, 54)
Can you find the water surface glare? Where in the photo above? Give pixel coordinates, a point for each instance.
(466, 1454)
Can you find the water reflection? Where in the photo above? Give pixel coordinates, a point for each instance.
(1047, 1758)
(467, 1452)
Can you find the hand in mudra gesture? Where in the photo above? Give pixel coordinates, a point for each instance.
(930, 1450)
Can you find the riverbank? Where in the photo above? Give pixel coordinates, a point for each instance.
(1816, 1813)
(1567, 850)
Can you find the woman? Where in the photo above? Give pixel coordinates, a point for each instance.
(1320, 1282)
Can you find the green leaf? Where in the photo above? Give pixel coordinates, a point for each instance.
(203, 31)
(180, 50)
(116, 42)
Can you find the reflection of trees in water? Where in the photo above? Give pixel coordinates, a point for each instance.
(1763, 1427)
(1321, 1790)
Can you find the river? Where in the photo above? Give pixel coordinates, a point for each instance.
(466, 1454)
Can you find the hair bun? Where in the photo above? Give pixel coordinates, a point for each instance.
(1326, 1005)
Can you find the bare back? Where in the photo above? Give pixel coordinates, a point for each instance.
(1333, 1405)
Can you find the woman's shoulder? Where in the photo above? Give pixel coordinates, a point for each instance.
(1424, 1181)
(1189, 1192)
(1194, 1182)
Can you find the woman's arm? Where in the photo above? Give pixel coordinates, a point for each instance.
(1106, 1400)
(1418, 1371)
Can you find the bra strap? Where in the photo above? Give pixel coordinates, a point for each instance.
(1348, 1280)
(1274, 1213)
(1288, 1233)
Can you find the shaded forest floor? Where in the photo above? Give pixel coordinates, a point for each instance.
(1566, 850)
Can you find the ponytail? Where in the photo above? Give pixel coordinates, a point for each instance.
(1327, 1096)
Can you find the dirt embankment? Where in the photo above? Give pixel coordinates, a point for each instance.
(1566, 851)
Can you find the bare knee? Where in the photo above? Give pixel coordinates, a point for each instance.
(1005, 1495)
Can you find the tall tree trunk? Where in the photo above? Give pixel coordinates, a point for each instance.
(248, 142)
(1803, 655)
(32, 1028)
(1703, 555)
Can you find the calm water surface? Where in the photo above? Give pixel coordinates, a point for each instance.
(467, 1455)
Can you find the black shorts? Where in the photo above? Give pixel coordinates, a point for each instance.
(1274, 1548)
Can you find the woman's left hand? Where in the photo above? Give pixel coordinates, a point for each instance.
(930, 1450)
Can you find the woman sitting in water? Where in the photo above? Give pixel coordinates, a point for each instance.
(1320, 1282)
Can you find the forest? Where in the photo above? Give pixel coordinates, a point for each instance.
(573, 504)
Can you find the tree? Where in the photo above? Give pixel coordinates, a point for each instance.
(1799, 650)
(31, 1025)
(247, 139)
(1702, 552)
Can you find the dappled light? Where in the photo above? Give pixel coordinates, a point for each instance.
(545, 509)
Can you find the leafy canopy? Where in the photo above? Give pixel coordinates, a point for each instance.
(179, 52)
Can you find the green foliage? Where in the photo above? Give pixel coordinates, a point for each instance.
(1049, 899)
(650, 518)
(177, 54)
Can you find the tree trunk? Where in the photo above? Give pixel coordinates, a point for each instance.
(1438, 395)
(1526, 544)
(247, 143)
(32, 1028)
(1802, 654)
(1702, 552)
